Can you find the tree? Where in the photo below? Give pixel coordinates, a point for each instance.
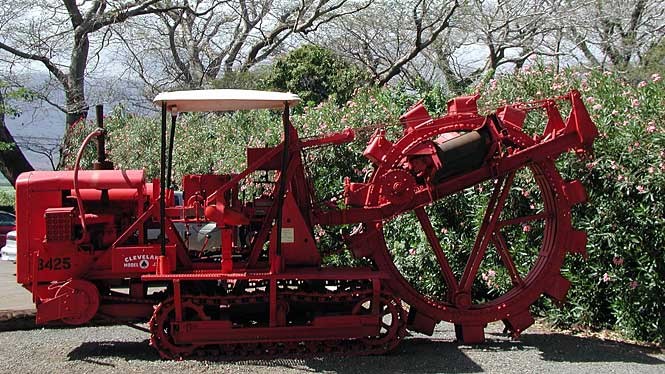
(616, 33)
(512, 31)
(500, 34)
(41, 146)
(315, 74)
(508, 33)
(389, 35)
(193, 46)
(58, 36)
(653, 60)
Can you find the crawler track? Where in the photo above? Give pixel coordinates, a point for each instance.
(351, 299)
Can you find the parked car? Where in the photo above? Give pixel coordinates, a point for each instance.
(8, 252)
(7, 224)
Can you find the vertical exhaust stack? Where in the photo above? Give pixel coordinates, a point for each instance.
(102, 162)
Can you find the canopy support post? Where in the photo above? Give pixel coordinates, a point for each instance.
(282, 184)
(162, 183)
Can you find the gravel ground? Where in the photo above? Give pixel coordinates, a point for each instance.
(122, 349)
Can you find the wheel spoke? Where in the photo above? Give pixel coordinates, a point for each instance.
(521, 220)
(447, 272)
(500, 244)
(494, 208)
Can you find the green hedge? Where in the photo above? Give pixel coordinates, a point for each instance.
(621, 284)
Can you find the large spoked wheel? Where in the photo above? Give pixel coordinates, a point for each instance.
(483, 254)
(161, 329)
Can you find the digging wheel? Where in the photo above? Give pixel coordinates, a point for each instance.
(522, 220)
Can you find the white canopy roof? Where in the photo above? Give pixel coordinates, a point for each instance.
(224, 100)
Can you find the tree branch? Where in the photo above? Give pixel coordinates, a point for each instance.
(74, 14)
(396, 67)
(52, 68)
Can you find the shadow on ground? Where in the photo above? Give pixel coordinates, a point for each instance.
(93, 352)
(566, 348)
(423, 356)
(416, 354)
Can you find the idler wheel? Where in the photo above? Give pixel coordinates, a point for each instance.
(161, 328)
(83, 297)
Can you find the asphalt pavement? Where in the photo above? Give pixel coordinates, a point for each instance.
(14, 297)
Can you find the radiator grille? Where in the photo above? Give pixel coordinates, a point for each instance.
(59, 224)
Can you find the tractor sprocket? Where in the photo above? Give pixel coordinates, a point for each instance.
(393, 322)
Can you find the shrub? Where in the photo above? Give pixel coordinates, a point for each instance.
(7, 196)
(620, 286)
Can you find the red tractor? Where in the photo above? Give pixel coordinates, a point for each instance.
(108, 244)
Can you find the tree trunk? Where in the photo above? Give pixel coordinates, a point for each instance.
(12, 160)
(77, 111)
(75, 103)
(77, 108)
